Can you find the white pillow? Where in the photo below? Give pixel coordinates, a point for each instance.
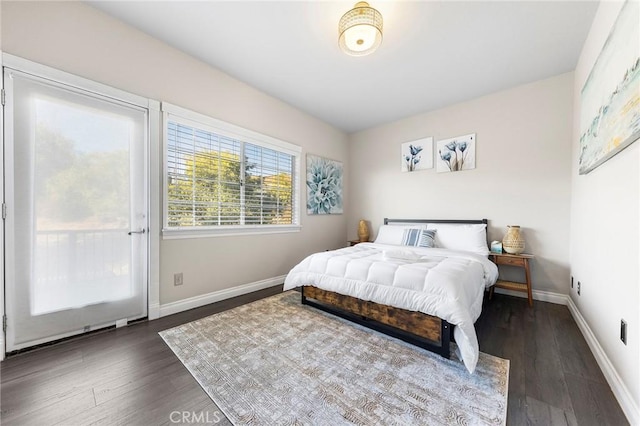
(392, 234)
(466, 237)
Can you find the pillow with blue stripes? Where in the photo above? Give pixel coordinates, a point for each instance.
(418, 237)
(427, 238)
(394, 234)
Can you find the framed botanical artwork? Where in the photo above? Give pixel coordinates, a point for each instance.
(324, 186)
(610, 98)
(456, 154)
(417, 155)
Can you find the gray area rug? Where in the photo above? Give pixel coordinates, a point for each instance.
(276, 362)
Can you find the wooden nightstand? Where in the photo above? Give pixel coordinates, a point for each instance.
(518, 261)
(354, 242)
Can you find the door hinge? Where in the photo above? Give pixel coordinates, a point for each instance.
(2, 96)
(4, 211)
(4, 322)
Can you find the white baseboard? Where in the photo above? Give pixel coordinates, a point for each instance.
(543, 296)
(216, 296)
(620, 391)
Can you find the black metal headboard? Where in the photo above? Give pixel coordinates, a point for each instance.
(388, 221)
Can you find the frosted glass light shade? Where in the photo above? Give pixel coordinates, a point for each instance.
(360, 30)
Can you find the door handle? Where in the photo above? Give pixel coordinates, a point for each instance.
(142, 231)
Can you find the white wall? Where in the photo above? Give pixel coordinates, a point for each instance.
(79, 39)
(605, 218)
(521, 177)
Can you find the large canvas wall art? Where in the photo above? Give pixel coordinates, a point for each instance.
(417, 155)
(324, 186)
(456, 154)
(610, 98)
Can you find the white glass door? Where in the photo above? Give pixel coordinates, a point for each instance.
(76, 246)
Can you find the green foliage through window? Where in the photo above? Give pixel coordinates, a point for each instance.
(214, 180)
(75, 188)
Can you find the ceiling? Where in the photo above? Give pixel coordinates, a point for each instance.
(433, 54)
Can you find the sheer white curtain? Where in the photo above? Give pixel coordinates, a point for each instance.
(75, 189)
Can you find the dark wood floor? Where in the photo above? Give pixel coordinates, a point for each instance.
(129, 376)
(554, 378)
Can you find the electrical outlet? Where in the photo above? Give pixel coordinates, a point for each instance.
(571, 281)
(578, 288)
(623, 331)
(177, 279)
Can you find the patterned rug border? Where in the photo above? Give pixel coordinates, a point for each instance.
(228, 411)
(196, 376)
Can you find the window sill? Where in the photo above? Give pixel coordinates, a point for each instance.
(227, 231)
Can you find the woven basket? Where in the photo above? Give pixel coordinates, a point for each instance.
(513, 242)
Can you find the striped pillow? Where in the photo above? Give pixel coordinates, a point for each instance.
(427, 238)
(411, 237)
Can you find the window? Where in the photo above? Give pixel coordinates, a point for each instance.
(223, 179)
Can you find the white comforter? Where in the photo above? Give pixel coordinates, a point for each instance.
(445, 283)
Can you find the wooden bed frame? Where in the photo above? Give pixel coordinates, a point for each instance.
(426, 331)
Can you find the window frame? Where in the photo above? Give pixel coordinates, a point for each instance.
(203, 122)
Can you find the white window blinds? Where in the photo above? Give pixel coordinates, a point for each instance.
(268, 191)
(221, 176)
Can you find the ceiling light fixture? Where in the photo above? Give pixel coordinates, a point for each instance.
(360, 30)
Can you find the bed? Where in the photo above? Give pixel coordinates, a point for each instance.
(421, 281)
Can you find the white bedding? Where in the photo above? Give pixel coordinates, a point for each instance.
(444, 283)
